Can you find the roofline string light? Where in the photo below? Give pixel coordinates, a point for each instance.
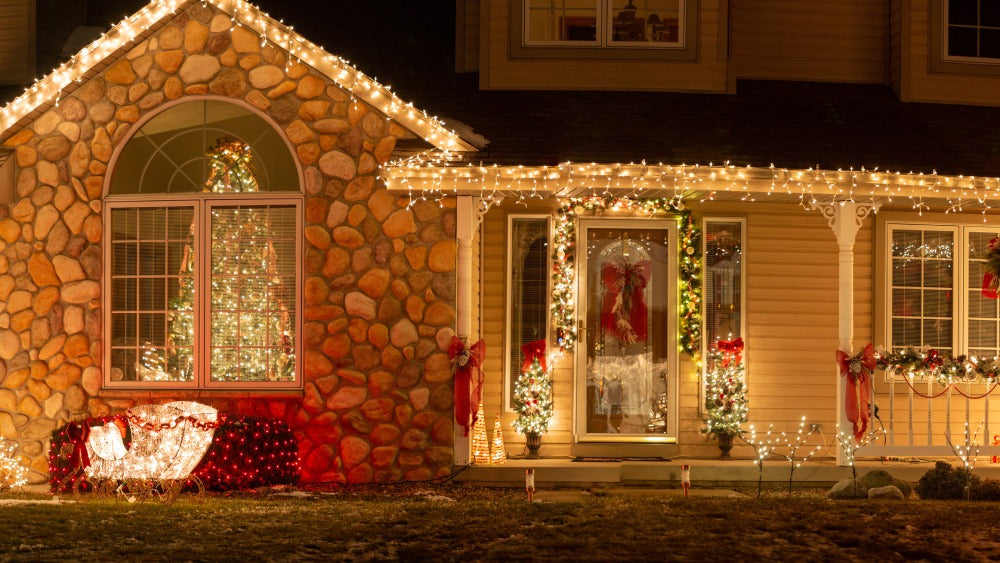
(430, 175)
(244, 14)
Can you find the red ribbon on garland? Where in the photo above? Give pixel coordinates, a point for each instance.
(468, 393)
(732, 351)
(858, 370)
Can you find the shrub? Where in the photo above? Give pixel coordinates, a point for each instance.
(988, 489)
(945, 482)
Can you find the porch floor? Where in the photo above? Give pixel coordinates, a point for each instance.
(821, 472)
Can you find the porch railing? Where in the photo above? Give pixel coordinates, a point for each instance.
(922, 417)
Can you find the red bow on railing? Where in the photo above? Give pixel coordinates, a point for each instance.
(933, 360)
(732, 351)
(858, 370)
(468, 393)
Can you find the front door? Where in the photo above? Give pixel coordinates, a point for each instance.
(626, 384)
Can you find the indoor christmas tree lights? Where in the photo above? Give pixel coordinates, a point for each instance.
(533, 400)
(249, 345)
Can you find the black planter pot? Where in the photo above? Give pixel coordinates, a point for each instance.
(725, 445)
(534, 442)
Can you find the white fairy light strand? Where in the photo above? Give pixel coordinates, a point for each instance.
(241, 14)
(434, 174)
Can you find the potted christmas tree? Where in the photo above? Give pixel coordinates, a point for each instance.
(725, 394)
(533, 404)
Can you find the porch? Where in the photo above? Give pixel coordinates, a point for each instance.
(705, 473)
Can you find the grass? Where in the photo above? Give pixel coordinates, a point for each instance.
(421, 524)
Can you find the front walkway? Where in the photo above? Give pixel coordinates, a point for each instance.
(564, 472)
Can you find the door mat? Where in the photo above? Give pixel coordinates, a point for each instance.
(586, 459)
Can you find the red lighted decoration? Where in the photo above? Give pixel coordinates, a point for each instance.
(246, 452)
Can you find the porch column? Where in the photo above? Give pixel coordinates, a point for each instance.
(466, 224)
(845, 218)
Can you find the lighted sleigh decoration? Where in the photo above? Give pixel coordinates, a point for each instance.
(167, 442)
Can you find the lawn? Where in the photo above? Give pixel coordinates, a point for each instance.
(463, 523)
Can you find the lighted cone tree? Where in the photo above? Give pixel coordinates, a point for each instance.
(533, 404)
(249, 344)
(499, 453)
(480, 442)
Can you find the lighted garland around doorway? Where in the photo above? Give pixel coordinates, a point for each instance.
(564, 258)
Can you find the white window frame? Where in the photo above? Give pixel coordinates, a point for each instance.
(706, 346)
(603, 37)
(203, 205)
(945, 25)
(508, 379)
(961, 282)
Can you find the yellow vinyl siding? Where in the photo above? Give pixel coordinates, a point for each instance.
(707, 74)
(791, 268)
(814, 41)
(919, 84)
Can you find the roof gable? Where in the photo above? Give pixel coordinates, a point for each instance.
(64, 79)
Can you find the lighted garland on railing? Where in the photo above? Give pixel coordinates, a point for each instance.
(564, 260)
(945, 370)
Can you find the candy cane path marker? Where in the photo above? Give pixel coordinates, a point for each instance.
(685, 478)
(529, 483)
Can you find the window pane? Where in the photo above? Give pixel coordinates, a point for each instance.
(562, 20)
(529, 295)
(646, 21)
(983, 334)
(170, 152)
(922, 288)
(989, 13)
(145, 287)
(989, 43)
(962, 42)
(723, 274)
(964, 12)
(252, 293)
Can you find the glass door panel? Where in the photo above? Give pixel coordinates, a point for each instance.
(627, 361)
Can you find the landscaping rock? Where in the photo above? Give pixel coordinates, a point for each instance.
(887, 492)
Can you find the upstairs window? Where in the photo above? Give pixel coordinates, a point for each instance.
(201, 284)
(604, 23)
(972, 30)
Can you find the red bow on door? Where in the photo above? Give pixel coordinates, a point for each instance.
(858, 370)
(468, 392)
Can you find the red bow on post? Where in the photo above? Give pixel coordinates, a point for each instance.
(468, 393)
(858, 370)
(732, 351)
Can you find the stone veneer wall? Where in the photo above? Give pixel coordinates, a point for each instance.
(379, 280)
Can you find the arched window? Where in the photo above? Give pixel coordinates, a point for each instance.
(201, 284)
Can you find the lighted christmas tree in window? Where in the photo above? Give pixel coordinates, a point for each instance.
(250, 321)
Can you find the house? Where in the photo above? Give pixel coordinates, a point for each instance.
(204, 205)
